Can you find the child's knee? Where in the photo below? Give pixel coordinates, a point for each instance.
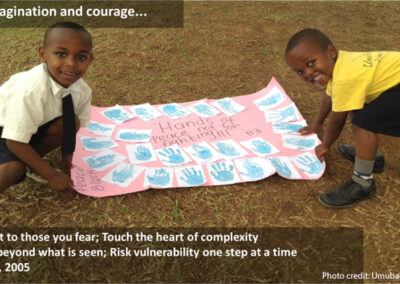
(357, 131)
(354, 128)
(11, 173)
(57, 127)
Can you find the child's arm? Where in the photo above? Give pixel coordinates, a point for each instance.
(324, 110)
(25, 152)
(333, 130)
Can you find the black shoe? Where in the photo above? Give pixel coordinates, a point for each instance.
(347, 195)
(349, 153)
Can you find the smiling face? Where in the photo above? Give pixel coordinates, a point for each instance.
(311, 63)
(67, 54)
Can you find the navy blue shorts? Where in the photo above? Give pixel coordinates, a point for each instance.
(7, 156)
(382, 115)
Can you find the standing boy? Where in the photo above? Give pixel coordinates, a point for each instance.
(41, 109)
(364, 84)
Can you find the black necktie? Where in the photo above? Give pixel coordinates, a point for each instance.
(69, 128)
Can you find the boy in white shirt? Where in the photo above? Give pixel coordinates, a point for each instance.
(41, 109)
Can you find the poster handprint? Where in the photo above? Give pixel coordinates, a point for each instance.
(189, 144)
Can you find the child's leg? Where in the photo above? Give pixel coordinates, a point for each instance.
(380, 116)
(349, 153)
(361, 186)
(366, 147)
(48, 138)
(52, 137)
(366, 143)
(11, 173)
(12, 170)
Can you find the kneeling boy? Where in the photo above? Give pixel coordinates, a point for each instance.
(42, 108)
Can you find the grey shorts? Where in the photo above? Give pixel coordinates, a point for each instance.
(7, 156)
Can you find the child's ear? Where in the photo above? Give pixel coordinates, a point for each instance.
(42, 54)
(332, 51)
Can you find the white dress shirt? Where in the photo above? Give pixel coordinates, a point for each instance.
(32, 98)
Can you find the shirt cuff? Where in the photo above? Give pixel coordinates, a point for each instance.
(84, 123)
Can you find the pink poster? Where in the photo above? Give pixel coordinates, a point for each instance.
(208, 142)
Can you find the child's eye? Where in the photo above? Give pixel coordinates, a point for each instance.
(82, 57)
(311, 63)
(299, 72)
(61, 54)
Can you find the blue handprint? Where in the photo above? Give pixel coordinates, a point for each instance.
(288, 112)
(133, 136)
(101, 161)
(281, 167)
(204, 109)
(193, 177)
(270, 100)
(227, 149)
(254, 171)
(174, 111)
(142, 154)
(116, 115)
(143, 113)
(287, 127)
(227, 105)
(202, 152)
(261, 147)
(221, 173)
(161, 177)
(309, 164)
(91, 143)
(123, 175)
(94, 126)
(301, 143)
(172, 156)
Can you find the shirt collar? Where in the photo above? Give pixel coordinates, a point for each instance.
(59, 90)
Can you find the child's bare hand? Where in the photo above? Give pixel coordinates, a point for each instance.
(309, 129)
(320, 151)
(61, 181)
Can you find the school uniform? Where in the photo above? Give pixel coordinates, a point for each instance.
(368, 83)
(30, 101)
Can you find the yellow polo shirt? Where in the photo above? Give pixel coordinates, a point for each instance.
(361, 77)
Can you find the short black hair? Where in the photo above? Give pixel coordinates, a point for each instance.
(312, 35)
(69, 25)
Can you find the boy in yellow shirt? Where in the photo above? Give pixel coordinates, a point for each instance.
(364, 84)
